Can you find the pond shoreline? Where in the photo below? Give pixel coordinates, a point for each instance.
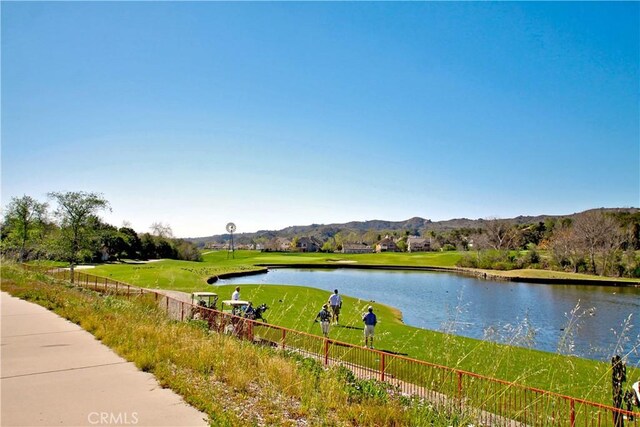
(481, 274)
(213, 279)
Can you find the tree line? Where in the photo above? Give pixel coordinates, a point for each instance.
(596, 242)
(73, 232)
(600, 241)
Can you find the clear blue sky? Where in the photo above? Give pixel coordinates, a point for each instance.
(276, 114)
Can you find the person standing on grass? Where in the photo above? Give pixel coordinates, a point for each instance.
(370, 321)
(235, 296)
(325, 318)
(335, 301)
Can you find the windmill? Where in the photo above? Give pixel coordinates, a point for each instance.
(231, 227)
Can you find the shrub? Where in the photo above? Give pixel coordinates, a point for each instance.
(468, 261)
(502, 265)
(359, 390)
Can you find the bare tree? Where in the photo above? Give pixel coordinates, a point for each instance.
(500, 234)
(566, 247)
(594, 236)
(600, 234)
(161, 230)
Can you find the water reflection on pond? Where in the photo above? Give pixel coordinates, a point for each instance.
(485, 309)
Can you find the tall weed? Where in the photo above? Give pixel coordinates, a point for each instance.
(230, 380)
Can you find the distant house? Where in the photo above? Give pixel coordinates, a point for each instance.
(104, 254)
(278, 244)
(386, 245)
(216, 246)
(418, 244)
(308, 244)
(283, 244)
(356, 248)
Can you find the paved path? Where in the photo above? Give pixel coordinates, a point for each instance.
(56, 374)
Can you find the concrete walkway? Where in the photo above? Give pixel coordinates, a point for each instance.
(53, 373)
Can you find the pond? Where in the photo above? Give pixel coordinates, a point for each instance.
(587, 321)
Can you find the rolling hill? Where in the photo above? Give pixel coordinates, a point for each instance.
(415, 225)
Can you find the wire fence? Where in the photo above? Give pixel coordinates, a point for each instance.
(488, 401)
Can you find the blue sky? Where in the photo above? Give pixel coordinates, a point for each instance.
(275, 114)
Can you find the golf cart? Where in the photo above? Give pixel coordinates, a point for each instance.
(234, 324)
(203, 306)
(243, 309)
(204, 299)
(236, 307)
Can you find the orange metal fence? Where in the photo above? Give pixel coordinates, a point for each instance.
(488, 400)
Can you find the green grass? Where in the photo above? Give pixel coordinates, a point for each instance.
(430, 259)
(296, 307)
(552, 274)
(233, 381)
(190, 276)
(48, 264)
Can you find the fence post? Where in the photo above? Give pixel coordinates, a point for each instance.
(167, 304)
(618, 377)
(326, 351)
(182, 311)
(460, 386)
(284, 334)
(382, 366)
(128, 291)
(572, 414)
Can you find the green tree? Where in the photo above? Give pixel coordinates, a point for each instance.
(294, 243)
(110, 242)
(187, 251)
(532, 234)
(24, 222)
(75, 213)
(402, 243)
(329, 245)
(132, 244)
(371, 237)
(148, 247)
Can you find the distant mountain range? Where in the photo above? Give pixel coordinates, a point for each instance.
(415, 225)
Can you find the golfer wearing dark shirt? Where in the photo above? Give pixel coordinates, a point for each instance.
(370, 321)
(324, 317)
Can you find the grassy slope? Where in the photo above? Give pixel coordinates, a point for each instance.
(188, 276)
(295, 307)
(234, 382)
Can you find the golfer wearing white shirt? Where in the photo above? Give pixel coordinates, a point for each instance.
(336, 304)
